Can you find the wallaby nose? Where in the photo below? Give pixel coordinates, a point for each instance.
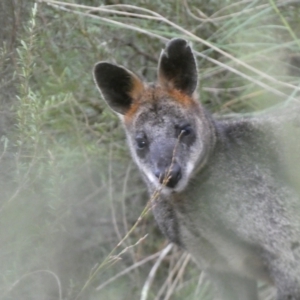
(170, 176)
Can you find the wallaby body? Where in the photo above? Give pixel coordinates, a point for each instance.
(226, 193)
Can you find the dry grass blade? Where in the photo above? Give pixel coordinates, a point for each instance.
(107, 20)
(214, 18)
(168, 286)
(158, 17)
(56, 278)
(112, 258)
(126, 271)
(152, 273)
(178, 276)
(284, 21)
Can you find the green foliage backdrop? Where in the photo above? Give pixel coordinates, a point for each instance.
(69, 191)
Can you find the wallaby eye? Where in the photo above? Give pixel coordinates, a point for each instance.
(141, 140)
(184, 130)
(141, 143)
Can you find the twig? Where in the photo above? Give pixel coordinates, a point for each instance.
(110, 191)
(152, 273)
(129, 269)
(199, 284)
(124, 192)
(37, 272)
(109, 259)
(171, 274)
(179, 275)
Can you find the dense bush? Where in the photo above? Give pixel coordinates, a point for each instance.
(69, 191)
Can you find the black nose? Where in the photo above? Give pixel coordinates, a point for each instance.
(169, 176)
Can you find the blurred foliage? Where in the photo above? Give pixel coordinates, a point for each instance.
(69, 191)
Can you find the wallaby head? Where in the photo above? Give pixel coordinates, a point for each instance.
(168, 130)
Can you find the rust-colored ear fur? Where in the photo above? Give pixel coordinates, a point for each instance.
(177, 67)
(119, 87)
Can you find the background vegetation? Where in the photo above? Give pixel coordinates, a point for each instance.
(69, 191)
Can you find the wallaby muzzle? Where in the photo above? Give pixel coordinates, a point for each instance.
(166, 168)
(169, 176)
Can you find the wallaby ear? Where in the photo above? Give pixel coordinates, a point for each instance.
(119, 86)
(177, 67)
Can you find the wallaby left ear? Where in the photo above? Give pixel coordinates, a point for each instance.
(118, 86)
(177, 67)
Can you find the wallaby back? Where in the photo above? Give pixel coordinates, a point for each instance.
(226, 193)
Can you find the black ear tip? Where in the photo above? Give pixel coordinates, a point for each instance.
(98, 69)
(101, 66)
(105, 71)
(177, 43)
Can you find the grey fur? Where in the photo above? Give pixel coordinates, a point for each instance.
(236, 207)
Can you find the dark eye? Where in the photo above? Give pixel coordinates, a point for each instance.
(141, 141)
(184, 130)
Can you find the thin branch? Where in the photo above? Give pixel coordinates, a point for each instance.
(38, 272)
(152, 273)
(110, 192)
(179, 275)
(173, 270)
(129, 269)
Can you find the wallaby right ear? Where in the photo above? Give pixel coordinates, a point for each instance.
(119, 86)
(177, 67)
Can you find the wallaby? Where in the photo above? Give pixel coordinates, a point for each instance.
(226, 193)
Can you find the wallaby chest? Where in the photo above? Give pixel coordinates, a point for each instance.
(202, 234)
